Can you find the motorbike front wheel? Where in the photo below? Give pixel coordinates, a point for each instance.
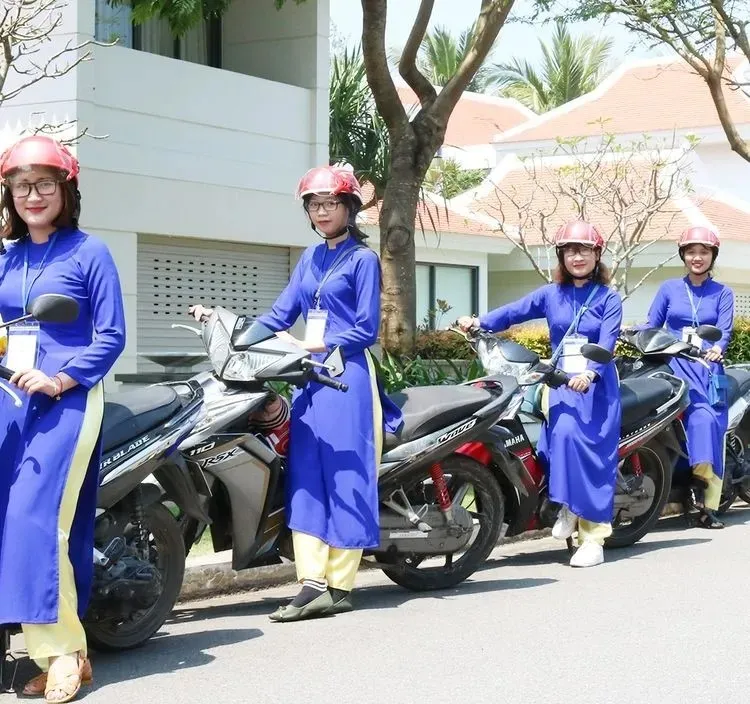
(655, 464)
(472, 486)
(742, 447)
(167, 554)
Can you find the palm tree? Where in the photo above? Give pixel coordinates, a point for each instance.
(441, 54)
(357, 133)
(570, 68)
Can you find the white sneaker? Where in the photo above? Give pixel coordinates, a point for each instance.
(565, 524)
(589, 554)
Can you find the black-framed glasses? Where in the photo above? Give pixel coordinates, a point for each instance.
(329, 206)
(22, 189)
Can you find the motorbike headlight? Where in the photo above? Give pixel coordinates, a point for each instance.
(530, 379)
(243, 366)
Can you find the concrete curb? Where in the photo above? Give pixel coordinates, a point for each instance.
(212, 575)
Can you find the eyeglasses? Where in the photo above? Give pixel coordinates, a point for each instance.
(571, 252)
(329, 206)
(46, 187)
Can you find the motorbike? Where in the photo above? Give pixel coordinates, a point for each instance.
(654, 348)
(440, 513)
(139, 554)
(651, 408)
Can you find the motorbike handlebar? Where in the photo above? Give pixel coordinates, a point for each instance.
(327, 381)
(5, 373)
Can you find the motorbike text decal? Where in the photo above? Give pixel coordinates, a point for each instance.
(221, 457)
(457, 431)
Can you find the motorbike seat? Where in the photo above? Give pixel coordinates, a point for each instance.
(132, 413)
(641, 397)
(738, 383)
(429, 408)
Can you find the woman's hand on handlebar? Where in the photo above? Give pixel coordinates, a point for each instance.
(580, 383)
(200, 313)
(35, 381)
(714, 354)
(468, 323)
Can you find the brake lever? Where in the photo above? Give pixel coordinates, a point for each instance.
(189, 328)
(17, 402)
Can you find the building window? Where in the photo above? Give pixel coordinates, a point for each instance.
(445, 292)
(113, 24)
(201, 45)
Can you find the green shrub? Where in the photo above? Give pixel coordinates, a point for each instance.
(739, 344)
(535, 336)
(442, 344)
(399, 373)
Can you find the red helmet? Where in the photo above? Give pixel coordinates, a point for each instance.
(579, 232)
(39, 150)
(699, 235)
(329, 181)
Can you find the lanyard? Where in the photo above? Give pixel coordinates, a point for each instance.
(26, 289)
(693, 307)
(335, 265)
(576, 319)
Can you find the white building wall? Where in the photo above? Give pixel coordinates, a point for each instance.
(718, 167)
(188, 150)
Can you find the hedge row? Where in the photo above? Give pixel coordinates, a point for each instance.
(443, 344)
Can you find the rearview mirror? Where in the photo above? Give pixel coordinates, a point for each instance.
(709, 333)
(53, 308)
(335, 362)
(596, 353)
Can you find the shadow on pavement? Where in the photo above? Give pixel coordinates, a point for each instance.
(163, 653)
(562, 557)
(367, 598)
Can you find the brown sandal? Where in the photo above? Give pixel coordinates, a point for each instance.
(68, 685)
(36, 685)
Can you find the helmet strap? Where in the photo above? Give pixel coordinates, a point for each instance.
(343, 231)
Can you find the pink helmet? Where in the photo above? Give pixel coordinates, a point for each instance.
(329, 181)
(699, 235)
(39, 150)
(579, 232)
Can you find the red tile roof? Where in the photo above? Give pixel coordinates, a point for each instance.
(435, 214)
(477, 118)
(529, 203)
(644, 96)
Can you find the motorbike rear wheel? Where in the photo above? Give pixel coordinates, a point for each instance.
(168, 551)
(742, 434)
(487, 506)
(655, 463)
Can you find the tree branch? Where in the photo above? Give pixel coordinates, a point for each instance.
(376, 64)
(736, 31)
(492, 16)
(407, 67)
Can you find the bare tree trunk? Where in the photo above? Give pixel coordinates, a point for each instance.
(410, 159)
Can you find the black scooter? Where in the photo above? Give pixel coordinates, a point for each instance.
(440, 513)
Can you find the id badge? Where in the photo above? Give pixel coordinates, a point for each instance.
(573, 362)
(23, 346)
(690, 337)
(315, 329)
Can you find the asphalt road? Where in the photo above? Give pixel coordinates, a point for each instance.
(661, 622)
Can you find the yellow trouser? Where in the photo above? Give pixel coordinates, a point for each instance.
(587, 530)
(317, 560)
(44, 641)
(705, 471)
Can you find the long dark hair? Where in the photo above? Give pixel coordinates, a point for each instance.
(600, 275)
(14, 228)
